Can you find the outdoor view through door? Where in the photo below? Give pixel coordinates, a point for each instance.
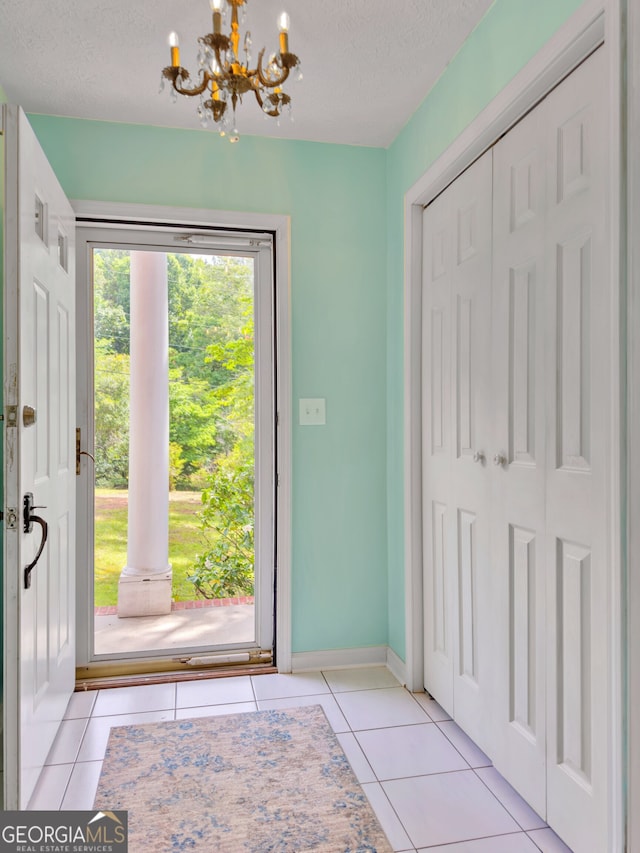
(176, 487)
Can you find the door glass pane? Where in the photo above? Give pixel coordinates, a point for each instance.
(209, 368)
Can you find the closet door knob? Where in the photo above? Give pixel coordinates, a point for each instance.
(500, 459)
(479, 456)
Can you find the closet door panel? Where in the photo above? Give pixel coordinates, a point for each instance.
(470, 199)
(437, 441)
(519, 443)
(456, 407)
(578, 347)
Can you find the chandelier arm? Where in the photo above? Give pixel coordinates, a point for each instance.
(266, 82)
(172, 73)
(198, 89)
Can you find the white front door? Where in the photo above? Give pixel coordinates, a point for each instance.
(39, 330)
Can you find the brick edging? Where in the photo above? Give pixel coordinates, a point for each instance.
(112, 610)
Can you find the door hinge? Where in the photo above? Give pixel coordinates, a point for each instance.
(12, 416)
(12, 518)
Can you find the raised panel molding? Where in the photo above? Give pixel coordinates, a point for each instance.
(573, 392)
(573, 158)
(522, 385)
(523, 201)
(573, 655)
(522, 629)
(438, 263)
(63, 373)
(41, 372)
(464, 331)
(467, 233)
(467, 562)
(439, 600)
(42, 660)
(61, 598)
(437, 381)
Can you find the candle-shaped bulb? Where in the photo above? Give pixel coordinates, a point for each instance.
(283, 24)
(174, 44)
(216, 8)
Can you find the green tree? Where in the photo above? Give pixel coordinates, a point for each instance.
(227, 517)
(111, 416)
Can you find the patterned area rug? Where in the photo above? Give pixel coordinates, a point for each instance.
(256, 782)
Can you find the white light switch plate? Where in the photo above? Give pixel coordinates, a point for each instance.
(312, 411)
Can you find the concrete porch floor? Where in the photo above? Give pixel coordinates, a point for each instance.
(209, 626)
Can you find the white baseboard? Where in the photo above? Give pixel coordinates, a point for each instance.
(339, 658)
(397, 666)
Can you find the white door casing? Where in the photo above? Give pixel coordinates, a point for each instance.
(575, 40)
(39, 458)
(456, 373)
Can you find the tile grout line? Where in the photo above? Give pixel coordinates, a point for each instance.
(393, 809)
(352, 731)
(378, 782)
(504, 806)
(456, 748)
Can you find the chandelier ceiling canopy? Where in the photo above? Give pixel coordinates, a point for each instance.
(225, 71)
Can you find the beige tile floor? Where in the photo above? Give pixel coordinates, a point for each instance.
(209, 626)
(433, 790)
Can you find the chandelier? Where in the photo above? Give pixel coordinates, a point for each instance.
(225, 73)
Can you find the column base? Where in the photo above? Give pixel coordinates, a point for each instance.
(140, 595)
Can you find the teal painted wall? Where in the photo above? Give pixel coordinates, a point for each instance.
(335, 196)
(508, 36)
(346, 208)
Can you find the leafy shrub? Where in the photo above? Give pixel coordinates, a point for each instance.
(226, 570)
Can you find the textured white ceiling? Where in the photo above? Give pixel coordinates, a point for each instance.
(367, 64)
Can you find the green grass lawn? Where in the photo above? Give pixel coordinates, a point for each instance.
(185, 541)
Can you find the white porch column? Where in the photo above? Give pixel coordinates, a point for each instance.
(144, 588)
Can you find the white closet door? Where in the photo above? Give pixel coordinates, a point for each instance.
(550, 530)
(456, 372)
(578, 453)
(438, 539)
(518, 478)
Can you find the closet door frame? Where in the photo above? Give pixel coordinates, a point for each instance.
(593, 23)
(630, 459)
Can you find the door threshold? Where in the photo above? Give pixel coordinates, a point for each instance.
(98, 676)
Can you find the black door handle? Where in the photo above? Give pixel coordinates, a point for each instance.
(28, 520)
